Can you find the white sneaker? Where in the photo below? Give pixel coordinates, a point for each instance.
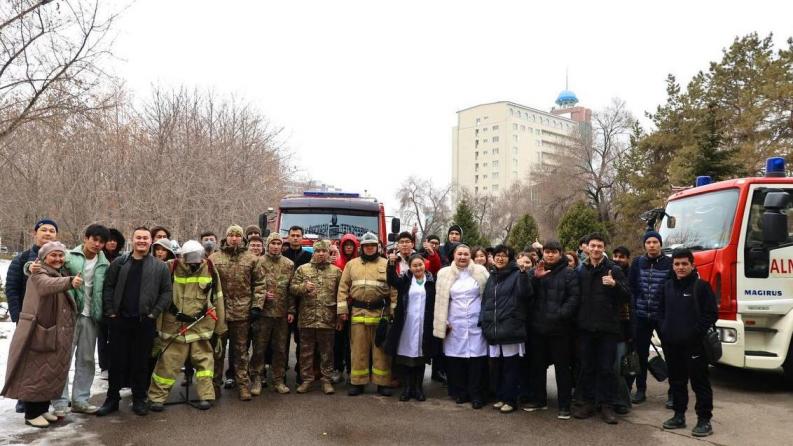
(85, 408)
(498, 405)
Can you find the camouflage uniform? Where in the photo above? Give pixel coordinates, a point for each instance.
(191, 298)
(271, 329)
(364, 282)
(317, 314)
(242, 276)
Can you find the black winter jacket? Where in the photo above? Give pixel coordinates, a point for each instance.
(600, 307)
(429, 344)
(556, 297)
(155, 288)
(505, 306)
(16, 281)
(687, 314)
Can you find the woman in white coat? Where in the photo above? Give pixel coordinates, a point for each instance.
(458, 302)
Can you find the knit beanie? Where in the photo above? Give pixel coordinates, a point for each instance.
(653, 234)
(234, 230)
(50, 247)
(455, 228)
(45, 221)
(251, 229)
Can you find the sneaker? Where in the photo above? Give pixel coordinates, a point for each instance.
(702, 429)
(564, 414)
(639, 397)
(327, 388)
(228, 383)
(85, 408)
(498, 405)
(50, 417)
(477, 404)
(305, 387)
(506, 408)
(676, 422)
(156, 407)
(204, 405)
(104, 375)
(355, 390)
(39, 422)
(533, 407)
(107, 408)
(281, 388)
(608, 414)
(256, 386)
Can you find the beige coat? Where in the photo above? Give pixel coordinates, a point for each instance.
(443, 285)
(40, 353)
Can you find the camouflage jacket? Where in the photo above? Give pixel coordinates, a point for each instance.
(278, 272)
(242, 276)
(317, 309)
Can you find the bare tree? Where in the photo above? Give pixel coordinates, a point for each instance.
(425, 204)
(50, 53)
(585, 165)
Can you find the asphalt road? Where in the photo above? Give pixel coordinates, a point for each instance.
(750, 408)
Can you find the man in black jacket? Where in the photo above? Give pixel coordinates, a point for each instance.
(604, 291)
(137, 290)
(688, 308)
(293, 250)
(551, 315)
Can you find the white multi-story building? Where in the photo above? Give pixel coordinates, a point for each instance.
(495, 145)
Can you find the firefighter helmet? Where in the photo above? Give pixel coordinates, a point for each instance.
(369, 239)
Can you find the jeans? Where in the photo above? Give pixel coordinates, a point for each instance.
(83, 346)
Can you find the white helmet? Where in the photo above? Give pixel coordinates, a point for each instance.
(192, 252)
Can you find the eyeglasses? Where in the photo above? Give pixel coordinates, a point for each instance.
(500, 256)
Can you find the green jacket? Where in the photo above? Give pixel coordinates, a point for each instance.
(75, 261)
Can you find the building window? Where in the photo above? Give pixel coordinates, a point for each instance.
(515, 173)
(495, 164)
(514, 150)
(526, 115)
(476, 143)
(484, 177)
(511, 112)
(537, 131)
(523, 128)
(476, 167)
(514, 126)
(494, 175)
(484, 152)
(495, 151)
(484, 129)
(476, 190)
(476, 155)
(476, 178)
(495, 187)
(514, 162)
(485, 164)
(495, 127)
(539, 143)
(477, 121)
(495, 139)
(476, 132)
(515, 138)
(485, 118)
(484, 140)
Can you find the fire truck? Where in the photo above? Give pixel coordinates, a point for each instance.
(741, 232)
(330, 215)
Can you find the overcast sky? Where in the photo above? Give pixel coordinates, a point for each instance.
(367, 91)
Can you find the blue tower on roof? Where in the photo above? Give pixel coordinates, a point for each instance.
(566, 98)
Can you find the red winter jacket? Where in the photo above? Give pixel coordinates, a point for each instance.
(342, 260)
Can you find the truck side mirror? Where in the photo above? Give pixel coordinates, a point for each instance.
(392, 237)
(263, 222)
(395, 225)
(671, 222)
(775, 226)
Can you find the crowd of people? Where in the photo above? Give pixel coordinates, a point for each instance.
(489, 321)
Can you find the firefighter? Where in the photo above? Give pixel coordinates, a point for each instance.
(243, 282)
(272, 329)
(194, 316)
(316, 284)
(364, 283)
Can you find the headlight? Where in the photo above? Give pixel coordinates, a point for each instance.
(727, 335)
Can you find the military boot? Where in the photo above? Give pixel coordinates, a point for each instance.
(256, 386)
(304, 387)
(281, 388)
(245, 394)
(327, 388)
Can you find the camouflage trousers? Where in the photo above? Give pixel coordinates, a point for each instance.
(238, 343)
(272, 332)
(170, 364)
(322, 339)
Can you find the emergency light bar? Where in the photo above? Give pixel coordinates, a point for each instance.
(703, 180)
(318, 193)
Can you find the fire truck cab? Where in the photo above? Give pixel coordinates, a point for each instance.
(330, 215)
(741, 232)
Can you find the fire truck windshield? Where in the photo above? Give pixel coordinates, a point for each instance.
(700, 222)
(329, 223)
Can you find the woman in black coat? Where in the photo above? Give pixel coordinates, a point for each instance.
(503, 321)
(410, 339)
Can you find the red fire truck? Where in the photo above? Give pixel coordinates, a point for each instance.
(741, 232)
(330, 215)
